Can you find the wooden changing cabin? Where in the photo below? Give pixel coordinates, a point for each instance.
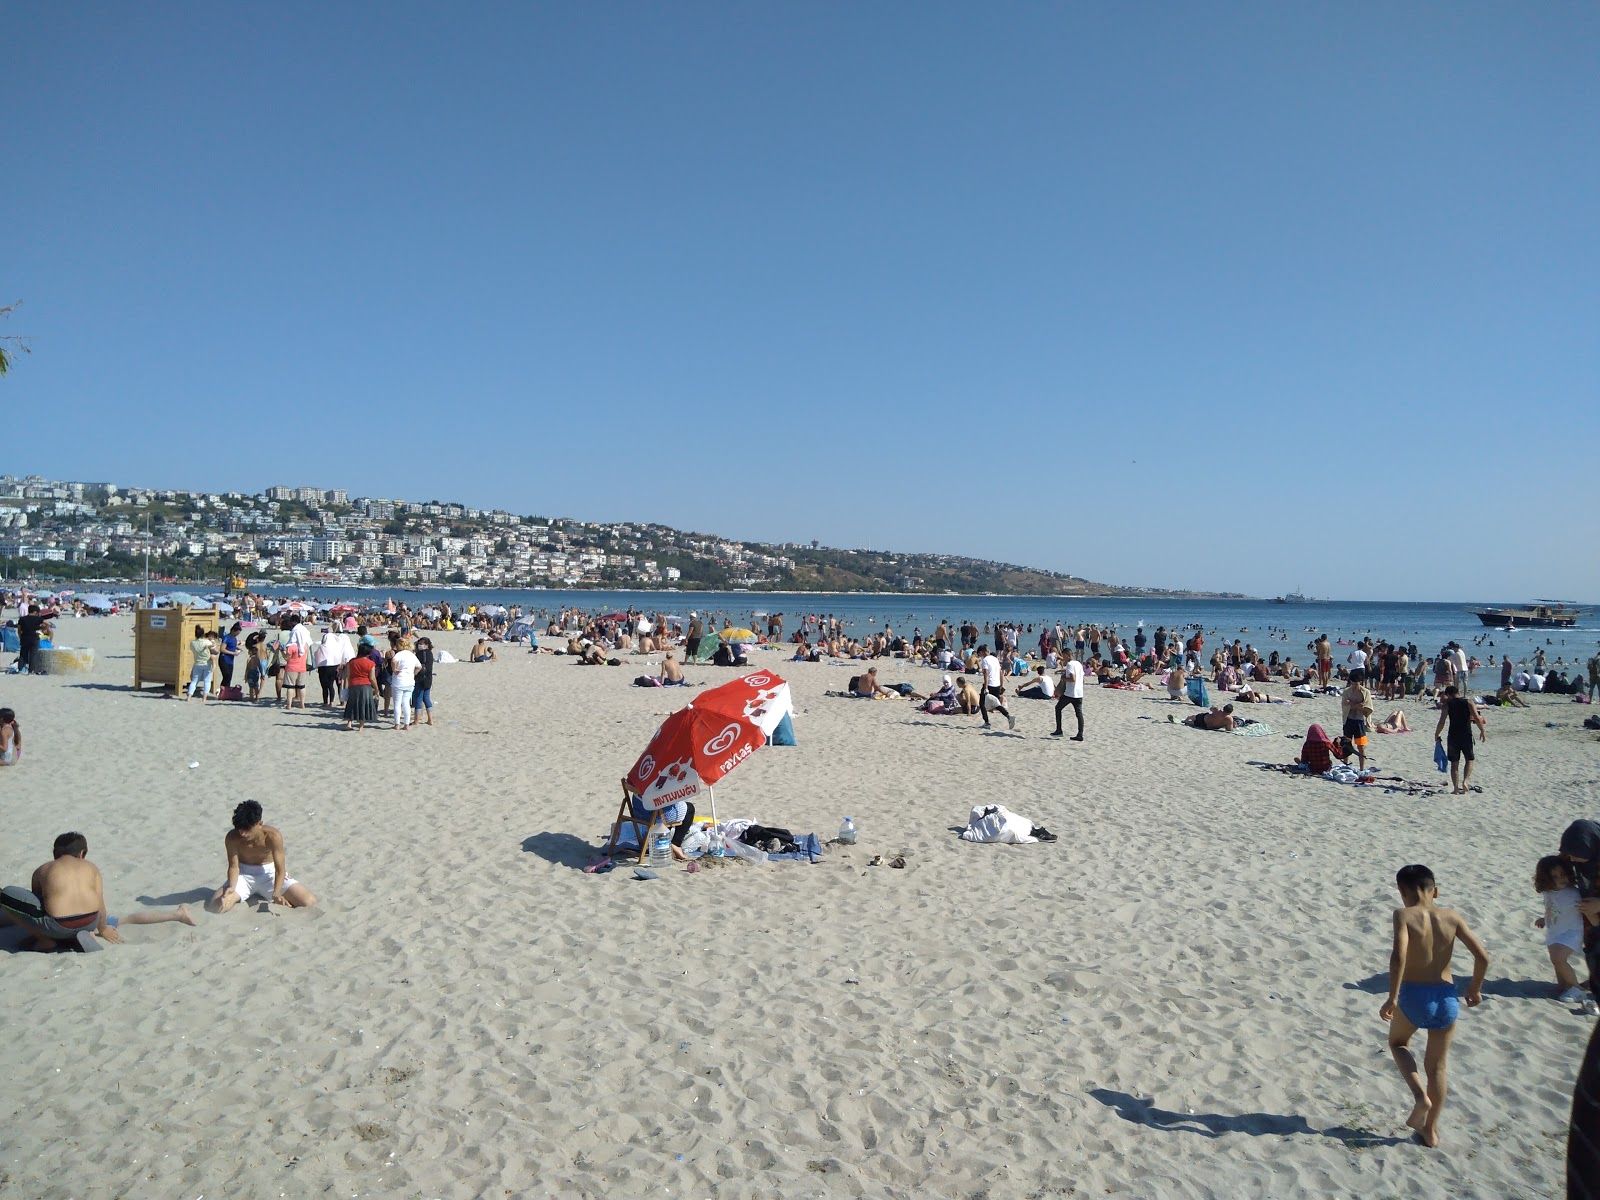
(161, 638)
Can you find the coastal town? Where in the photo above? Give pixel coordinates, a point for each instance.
(324, 536)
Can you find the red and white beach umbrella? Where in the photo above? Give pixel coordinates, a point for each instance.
(760, 698)
(692, 750)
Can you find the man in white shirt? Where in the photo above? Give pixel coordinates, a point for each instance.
(1070, 692)
(993, 689)
(1357, 659)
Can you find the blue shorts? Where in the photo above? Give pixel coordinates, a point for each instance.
(1429, 1005)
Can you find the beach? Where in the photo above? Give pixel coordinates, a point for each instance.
(1178, 998)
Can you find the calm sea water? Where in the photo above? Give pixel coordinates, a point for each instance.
(1286, 627)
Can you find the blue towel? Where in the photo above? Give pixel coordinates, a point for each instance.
(1440, 758)
(810, 851)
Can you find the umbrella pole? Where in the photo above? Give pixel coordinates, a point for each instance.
(711, 794)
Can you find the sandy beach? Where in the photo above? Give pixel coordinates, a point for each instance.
(1179, 998)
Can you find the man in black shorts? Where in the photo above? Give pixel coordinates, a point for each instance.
(1462, 714)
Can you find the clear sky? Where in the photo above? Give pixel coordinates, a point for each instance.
(1246, 297)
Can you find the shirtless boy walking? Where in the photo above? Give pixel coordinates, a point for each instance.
(256, 865)
(1423, 990)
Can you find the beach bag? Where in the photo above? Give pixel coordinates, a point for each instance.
(647, 681)
(1198, 693)
(230, 693)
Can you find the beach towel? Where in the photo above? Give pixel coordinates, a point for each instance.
(809, 849)
(1254, 729)
(1343, 774)
(1198, 693)
(1440, 758)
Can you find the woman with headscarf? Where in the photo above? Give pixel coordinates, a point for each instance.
(1580, 846)
(1317, 752)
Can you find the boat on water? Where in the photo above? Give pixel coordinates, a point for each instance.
(1291, 598)
(1541, 614)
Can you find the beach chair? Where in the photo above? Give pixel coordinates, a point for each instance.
(626, 816)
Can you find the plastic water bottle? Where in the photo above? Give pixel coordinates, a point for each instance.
(660, 845)
(716, 844)
(847, 832)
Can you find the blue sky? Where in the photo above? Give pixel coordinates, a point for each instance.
(1245, 297)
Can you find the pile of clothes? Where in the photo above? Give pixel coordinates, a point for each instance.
(997, 823)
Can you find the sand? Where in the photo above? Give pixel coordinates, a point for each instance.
(1178, 998)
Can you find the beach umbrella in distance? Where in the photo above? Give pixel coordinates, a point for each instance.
(339, 610)
(178, 600)
(292, 606)
(761, 698)
(691, 751)
(98, 601)
(738, 635)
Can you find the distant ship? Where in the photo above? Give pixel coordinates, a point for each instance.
(1291, 598)
(1542, 614)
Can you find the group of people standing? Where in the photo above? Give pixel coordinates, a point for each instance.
(354, 671)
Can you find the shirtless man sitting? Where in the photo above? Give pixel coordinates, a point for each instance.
(672, 673)
(70, 884)
(482, 651)
(64, 904)
(255, 865)
(868, 687)
(1217, 718)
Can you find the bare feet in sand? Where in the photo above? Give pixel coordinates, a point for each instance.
(184, 915)
(1419, 1116)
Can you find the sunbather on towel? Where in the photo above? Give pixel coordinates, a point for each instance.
(1217, 719)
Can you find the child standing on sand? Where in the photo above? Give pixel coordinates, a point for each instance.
(1423, 990)
(1562, 923)
(10, 738)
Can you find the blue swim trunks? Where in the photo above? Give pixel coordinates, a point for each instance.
(1429, 1005)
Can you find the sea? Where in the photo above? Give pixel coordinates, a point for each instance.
(1288, 628)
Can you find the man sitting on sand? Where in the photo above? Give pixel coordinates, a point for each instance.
(867, 686)
(256, 865)
(482, 651)
(56, 906)
(672, 673)
(64, 904)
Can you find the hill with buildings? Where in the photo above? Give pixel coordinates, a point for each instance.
(315, 536)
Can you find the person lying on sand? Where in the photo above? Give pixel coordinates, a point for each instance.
(1217, 718)
(1395, 722)
(256, 865)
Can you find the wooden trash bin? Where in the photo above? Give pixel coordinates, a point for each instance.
(161, 638)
